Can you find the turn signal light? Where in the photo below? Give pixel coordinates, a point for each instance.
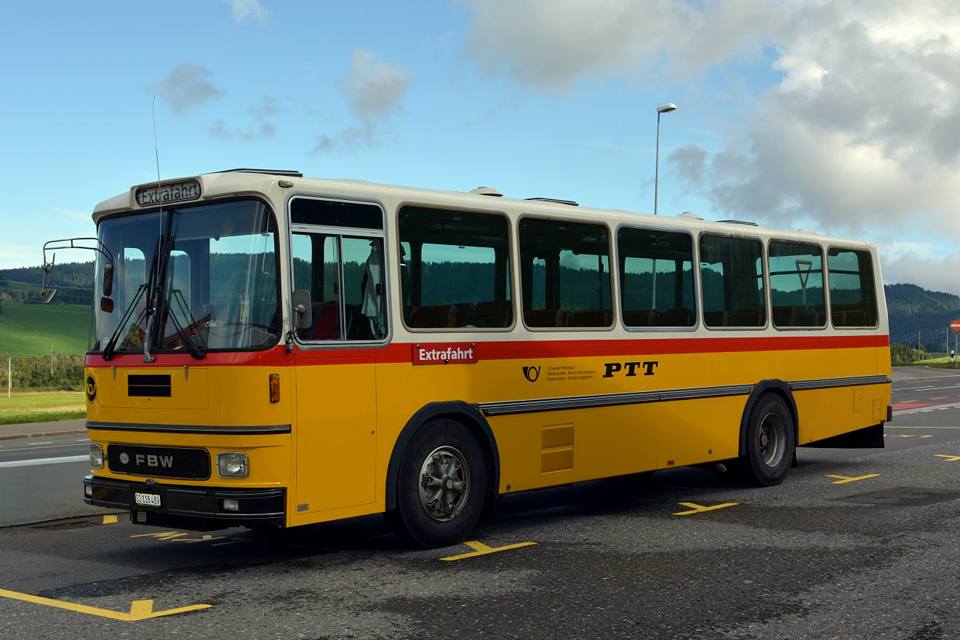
(274, 387)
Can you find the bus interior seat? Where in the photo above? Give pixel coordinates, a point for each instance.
(494, 313)
(546, 317)
(674, 317)
(638, 317)
(326, 321)
(599, 318)
(434, 316)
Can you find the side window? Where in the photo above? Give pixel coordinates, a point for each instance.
(656, 278)
(565, 274)
(796, 284)
(316, 268)
(454, 269)
(344, 274)
(853, 301)
(731, 271)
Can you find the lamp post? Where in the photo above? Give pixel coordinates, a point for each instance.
(666, 108)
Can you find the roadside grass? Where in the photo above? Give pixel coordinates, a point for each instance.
(44, 406)
(39, 329)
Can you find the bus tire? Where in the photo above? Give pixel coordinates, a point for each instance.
(441, 486)
(770, 442)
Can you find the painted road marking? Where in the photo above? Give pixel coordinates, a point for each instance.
(52, 446)
(110, 519)
(42, 461)
(34, 444)
(480, 549)
(699, 508)
(948, 458)
(921, 428)
(160, 535)
(848, 479)
(180, 536)
(908, 435)
(139, 609)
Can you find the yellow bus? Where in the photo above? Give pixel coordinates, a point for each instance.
(275, 351)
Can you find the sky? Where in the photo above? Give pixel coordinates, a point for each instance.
(842, 117)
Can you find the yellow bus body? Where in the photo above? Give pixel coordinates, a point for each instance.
(347, 407)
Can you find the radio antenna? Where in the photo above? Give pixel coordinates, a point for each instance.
(152, 295)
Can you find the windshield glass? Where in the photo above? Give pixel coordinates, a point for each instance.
(219, 284)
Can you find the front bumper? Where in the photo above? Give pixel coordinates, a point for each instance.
(196, 508)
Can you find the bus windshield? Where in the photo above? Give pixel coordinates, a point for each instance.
(217, 279)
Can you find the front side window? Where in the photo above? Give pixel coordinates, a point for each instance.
(796, 284)
(454, 269)
(656, 278)
(731, 272)
(565, 274)
(344, 277)
(853, 298)
(214, 272)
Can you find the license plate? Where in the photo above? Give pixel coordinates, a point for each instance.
(146, 499)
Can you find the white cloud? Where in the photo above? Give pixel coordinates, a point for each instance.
(374, 91)
(262, 126)
(863, 129)
(243, 9)
(552, 43)
(187, 86)
(859, 135)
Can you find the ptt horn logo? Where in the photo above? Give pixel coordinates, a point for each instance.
(531, 373)
(91, 388)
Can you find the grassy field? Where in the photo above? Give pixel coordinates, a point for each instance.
(37, 329)
(41, 406)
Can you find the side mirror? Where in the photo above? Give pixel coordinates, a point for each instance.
(107, 280)
(302, 309)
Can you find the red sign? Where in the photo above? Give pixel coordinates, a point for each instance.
(955, 325)
(445, 353)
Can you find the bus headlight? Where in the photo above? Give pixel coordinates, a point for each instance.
(96, 456)
(233, 465)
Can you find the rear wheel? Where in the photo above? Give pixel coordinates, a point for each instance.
(771, 442)
(441, 486)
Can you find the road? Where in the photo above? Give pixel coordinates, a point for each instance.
(854, 544)
(41, 478)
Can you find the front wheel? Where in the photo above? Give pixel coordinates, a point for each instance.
(771, 442)
(441, 486)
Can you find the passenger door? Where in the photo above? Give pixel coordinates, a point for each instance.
(343, 269)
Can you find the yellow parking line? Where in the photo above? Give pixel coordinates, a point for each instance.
(161, 535)
(139, 609)
(849, 479)
(948, 458)
(699, 508)
(480, 549)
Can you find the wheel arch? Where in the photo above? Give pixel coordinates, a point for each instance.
(466, 414)
(777, 387)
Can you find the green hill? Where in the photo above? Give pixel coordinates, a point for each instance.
(37, 329)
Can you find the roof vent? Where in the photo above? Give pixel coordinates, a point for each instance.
(270, 172)
(690, 214)
(572, 203)
(487, 191)
(749, 224)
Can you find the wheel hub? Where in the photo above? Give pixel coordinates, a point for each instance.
(444, 483)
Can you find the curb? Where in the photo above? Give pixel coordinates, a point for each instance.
(43, 434)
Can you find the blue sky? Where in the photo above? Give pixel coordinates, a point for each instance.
(534, 98)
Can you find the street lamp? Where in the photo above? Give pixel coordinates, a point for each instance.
(666, 108)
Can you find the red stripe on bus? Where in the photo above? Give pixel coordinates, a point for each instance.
(502, 350)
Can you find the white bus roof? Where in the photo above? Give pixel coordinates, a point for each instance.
(281, 184)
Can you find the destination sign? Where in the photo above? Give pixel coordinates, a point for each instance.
(169, 192)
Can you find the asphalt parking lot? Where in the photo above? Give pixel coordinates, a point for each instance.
(854, 544)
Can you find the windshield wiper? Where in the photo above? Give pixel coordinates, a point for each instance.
(115, 336)
(195, 349)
